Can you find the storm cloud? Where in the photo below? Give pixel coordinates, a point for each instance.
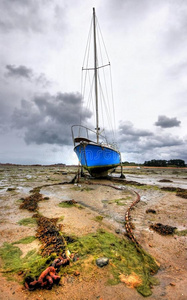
(127, 131)
(48, 118)
(166, 122)
(145, 144)
(23, 72)
(152, 146)
(19, 72)
(132, 138)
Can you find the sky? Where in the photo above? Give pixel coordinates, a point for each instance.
(42, 47)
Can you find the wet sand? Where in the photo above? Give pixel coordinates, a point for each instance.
(97, 200)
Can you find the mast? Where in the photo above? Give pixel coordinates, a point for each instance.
(95, 72)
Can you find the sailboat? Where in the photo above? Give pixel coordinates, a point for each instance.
(95, 154)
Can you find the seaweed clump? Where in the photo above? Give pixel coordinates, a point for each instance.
(165, 180)
(31, 202)
(181, 232)
(163, 229)
(27, 222)
(182, 193)
(124, 258)
(26, 240)
(179, 191)
(50, 236)
(12, 260)
(67, 203)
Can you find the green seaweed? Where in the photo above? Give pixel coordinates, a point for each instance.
(60, 219)
(66, 204)
(181, 232)
(26, 240)
(118, 201)
(79, 206)
(82, 188)
(87, 189)
(32, 264)
(11, 257)
(76, 188)
(27, 222)
(148, 187)
(124, 257)
(35, 190)
(98, 218)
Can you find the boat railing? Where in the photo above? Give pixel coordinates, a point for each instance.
(110, 145)
(85, 134)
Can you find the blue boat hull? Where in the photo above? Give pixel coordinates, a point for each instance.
(97, 159)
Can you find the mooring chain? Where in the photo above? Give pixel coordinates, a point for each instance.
(48, 276)
(128, 224)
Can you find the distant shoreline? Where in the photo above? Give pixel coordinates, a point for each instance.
(76, 166)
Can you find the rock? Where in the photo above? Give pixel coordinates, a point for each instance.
(102, 261)
(117, 231)
(150, 210)
(75, 257)
(172, 284)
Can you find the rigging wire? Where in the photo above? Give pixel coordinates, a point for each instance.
(112, 95)
(104, 94)
(112, 114)
(85, 61)
(106, 91)
(106, 107)
(90, 95)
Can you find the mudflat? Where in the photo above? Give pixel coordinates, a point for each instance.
(99, 209)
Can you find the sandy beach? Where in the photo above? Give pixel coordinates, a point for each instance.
(98, 207)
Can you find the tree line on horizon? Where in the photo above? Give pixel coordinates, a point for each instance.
(165, 163)
(158, 163)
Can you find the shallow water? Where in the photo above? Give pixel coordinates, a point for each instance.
(154, 180)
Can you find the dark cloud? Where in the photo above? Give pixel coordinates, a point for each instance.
(128, 132)
(147, 145)
(42, 80)
(23, 72)
(154, 147)
(162, 141)
(19, 72)
(48, 118)
(166, 122)
(163, 147)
